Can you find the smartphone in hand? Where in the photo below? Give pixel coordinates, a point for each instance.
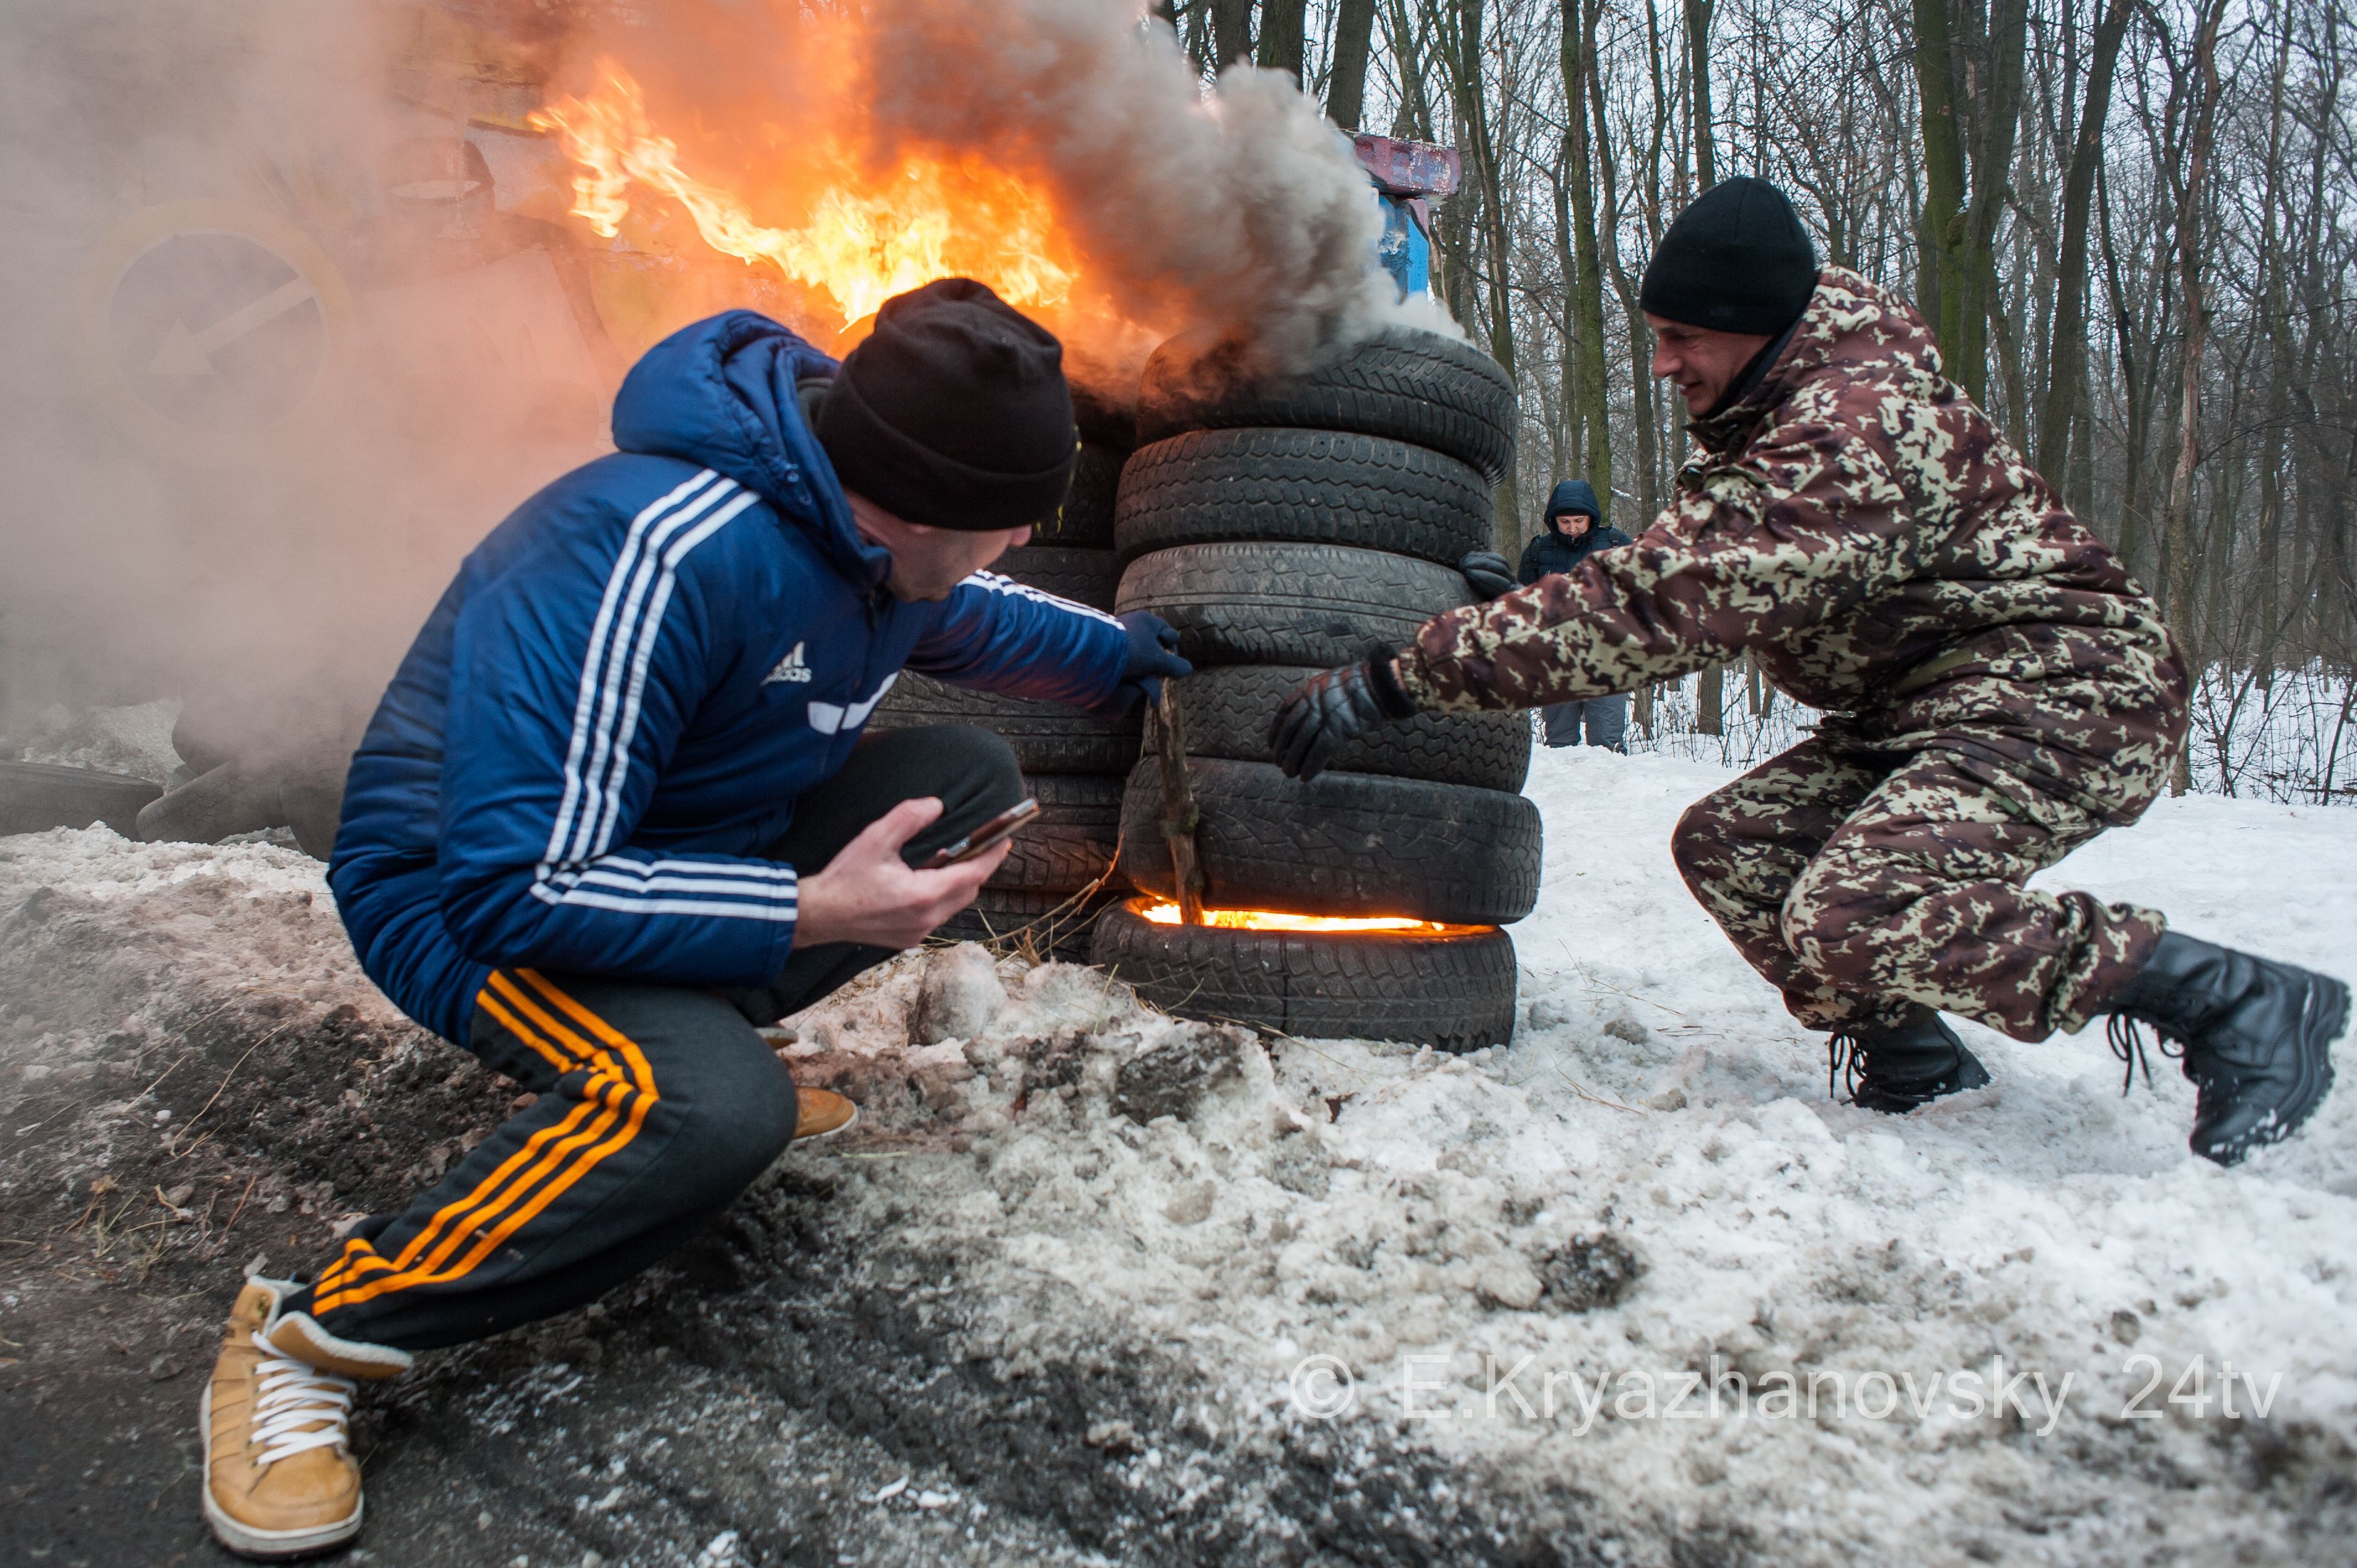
(999, 829)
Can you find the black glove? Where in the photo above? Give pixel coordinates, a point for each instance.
(1488, 571)
(1333, 709)
(1153, 655)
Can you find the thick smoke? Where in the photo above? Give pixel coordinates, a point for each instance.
(245, 488)
(1242, 212)
(1245, 211)
(256, 514)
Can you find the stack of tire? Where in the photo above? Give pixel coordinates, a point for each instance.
(1284, 526)
(1061, 872)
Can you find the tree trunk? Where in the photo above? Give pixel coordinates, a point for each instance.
(1231, 30)
(2067, 339)
(1346, 88)
(1462, 53)
(1414, 119)
(1971, 107)
(2277, 327)
(1939, 287)
(1710, 702)
(1592, 417)
(2178, 525)
(2133, 436)
(1282, 25)
(1699, 65)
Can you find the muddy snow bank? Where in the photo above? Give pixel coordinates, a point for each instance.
(1750, 1322)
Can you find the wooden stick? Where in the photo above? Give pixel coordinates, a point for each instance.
(1178, 815)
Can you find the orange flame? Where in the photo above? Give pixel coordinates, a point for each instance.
(868, 236)
(1166, 914)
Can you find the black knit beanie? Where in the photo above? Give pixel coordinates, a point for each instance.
(953, 412)
(1736, 260)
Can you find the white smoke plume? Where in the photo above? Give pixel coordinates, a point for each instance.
(1243, 211)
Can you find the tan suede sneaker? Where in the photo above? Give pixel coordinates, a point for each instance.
(280, 1479)
(820, 1113)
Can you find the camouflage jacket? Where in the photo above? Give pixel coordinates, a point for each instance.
(1859, 527)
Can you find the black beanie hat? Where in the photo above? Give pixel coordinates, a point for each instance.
(953, 412)
(1736, 260)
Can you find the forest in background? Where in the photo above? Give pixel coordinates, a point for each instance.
(2128, 222)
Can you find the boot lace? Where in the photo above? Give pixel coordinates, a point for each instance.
(2128, 1043)
(297, 1407)
(1844, 1059)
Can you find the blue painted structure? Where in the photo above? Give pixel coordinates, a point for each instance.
(1403, 251)
(1407, 175)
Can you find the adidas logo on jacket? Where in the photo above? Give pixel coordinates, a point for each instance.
(789, 667)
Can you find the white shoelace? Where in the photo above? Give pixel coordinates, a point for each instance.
(290, 1396)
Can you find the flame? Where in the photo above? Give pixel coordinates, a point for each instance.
(1164, 913)
(868, 235)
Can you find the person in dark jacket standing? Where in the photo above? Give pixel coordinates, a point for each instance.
(1996, 692)
(616, 809)
(1573, 529)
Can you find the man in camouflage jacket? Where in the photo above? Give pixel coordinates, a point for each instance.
(1996, 692)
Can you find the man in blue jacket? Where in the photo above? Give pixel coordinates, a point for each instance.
(616, 809)
(1573, 529)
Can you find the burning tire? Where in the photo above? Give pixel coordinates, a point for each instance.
(1047, 737)
(1451, 988)
(1308, 486)
(1073, 840)
(1086, 576)
(1055, 925)
(1287, 604)
(1228, 707)
(1416, 387)
(37, 796)
(1343, 845)
(1086, 518)
(1106, 418)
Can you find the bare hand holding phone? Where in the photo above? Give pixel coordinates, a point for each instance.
(997, 831)
(867, 894)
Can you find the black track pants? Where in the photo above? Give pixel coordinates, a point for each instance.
(658, 1104)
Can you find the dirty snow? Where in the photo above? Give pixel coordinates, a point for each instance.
(1972, 1296)
(1942, 1275)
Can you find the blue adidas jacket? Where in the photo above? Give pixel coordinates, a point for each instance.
(632, 680)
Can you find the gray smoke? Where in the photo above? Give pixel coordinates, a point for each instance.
(226, 479)
(243, 480)
(1245, 211)
(1242, 212)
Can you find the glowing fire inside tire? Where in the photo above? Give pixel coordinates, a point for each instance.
(1450, 987)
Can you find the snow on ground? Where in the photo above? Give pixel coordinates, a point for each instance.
(1947, 1337)
(1973, 1300)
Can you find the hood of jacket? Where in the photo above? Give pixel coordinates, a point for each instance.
(720, 394)
(1572, 495)
(1850, 325)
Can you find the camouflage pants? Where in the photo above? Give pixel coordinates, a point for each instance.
(1862, 889)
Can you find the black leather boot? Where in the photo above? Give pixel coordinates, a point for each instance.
(2256, 1037)
(1897, 1068)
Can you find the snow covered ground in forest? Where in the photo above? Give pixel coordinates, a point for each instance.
(1949, 1337)
(1945, 1320)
